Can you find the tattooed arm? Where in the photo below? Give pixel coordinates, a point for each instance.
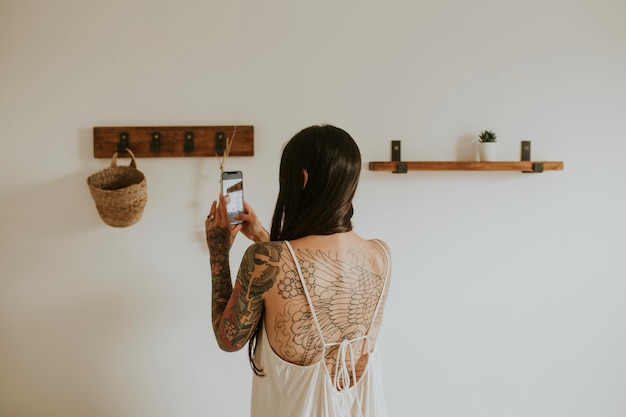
(237, 311)
(219, 247)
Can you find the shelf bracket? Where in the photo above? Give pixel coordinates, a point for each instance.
(525, 150)
(401, 168)
(396, 156)
(538, 166)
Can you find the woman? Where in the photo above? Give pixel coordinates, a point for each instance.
(309, 296)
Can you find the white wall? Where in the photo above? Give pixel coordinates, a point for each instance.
(508, 289)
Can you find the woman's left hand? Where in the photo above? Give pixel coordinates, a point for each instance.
(220, 234)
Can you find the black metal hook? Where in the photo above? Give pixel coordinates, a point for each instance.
(122, 145)
(188, 143)
(155, 144)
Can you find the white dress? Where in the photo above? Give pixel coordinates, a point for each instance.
(290, 390)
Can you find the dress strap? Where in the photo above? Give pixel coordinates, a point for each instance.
(306, 291)
(380, 296)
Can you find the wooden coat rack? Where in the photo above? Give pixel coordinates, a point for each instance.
(172, 141)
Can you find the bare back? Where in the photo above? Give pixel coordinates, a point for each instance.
(345, 277)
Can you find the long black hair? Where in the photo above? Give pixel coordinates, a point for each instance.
(321, 205)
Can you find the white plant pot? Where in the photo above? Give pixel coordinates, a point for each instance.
(487, 151)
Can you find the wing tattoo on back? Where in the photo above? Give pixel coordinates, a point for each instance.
(344, 292)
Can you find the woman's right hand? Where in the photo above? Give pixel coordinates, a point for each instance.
(251, 226)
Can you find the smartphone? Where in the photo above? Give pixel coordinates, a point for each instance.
(232, 189)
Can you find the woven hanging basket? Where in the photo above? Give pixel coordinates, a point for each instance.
(119, 192)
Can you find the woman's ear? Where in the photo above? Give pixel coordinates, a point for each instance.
(305, 174)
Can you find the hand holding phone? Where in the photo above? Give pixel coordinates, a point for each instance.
(232, 190)
(252, 227)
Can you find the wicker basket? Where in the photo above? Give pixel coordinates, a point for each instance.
(119, 192)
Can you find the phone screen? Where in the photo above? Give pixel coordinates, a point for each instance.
(232, 189)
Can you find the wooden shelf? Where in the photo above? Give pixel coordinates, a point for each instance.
(523, 166)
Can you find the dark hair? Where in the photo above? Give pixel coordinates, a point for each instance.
(323, 205)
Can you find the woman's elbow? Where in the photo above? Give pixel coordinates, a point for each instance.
(226, 344)
(226, 347)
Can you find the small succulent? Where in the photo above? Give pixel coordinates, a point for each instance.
(487, 136)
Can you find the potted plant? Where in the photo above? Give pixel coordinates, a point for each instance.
(487, 145)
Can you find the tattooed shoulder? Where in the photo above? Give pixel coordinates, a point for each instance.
(260, 266)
